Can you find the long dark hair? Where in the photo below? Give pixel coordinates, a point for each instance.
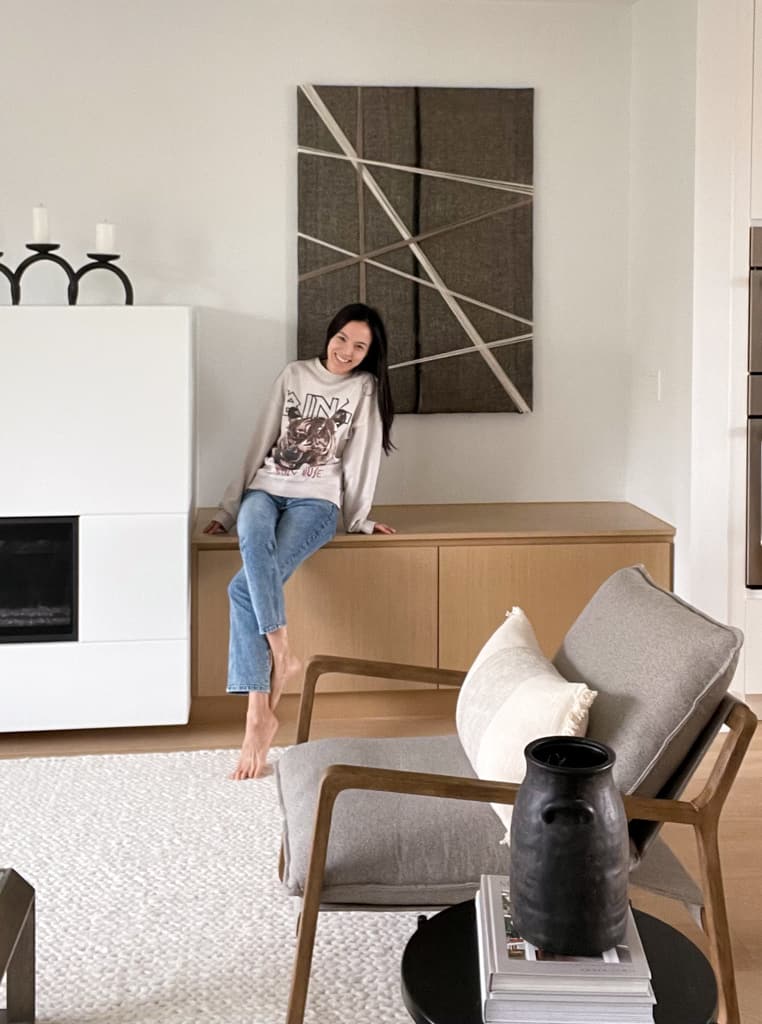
(375, 361)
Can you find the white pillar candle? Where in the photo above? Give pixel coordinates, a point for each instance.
(105, 237)
(40, 230)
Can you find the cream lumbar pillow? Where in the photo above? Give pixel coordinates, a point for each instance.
(511, 696)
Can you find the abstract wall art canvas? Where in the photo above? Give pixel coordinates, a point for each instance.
(418, 201)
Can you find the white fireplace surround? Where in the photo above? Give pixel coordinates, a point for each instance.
(96, 419)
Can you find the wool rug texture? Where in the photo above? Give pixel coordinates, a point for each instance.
(158, 898)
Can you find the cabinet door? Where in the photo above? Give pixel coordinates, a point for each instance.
(378, 603)
(373, 603)
(551, 582)
(215, 569)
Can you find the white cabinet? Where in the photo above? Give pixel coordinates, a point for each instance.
(133, 578)
(93, 685)
(96, 409)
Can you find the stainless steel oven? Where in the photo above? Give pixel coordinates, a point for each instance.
(754, 421)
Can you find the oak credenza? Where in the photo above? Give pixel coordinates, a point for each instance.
(433, 592)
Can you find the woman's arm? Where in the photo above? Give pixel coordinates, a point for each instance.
(265, 435)
(360, 463)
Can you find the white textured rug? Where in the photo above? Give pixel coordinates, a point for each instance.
(158, 898)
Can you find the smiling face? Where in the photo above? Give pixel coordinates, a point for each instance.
(348, 347)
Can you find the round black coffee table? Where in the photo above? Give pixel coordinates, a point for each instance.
(440, 971)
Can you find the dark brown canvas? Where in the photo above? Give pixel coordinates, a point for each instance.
(387, 217)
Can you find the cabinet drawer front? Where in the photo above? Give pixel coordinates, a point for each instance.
(551, 582)
(380, 603)
(215, 569)
(377, 603)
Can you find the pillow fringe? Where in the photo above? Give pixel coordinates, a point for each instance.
(578, 712)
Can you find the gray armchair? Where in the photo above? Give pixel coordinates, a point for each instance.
(403, 823)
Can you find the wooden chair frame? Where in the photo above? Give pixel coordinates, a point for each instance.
(702, 813)
(17, 948)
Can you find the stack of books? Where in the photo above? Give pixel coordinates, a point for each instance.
(521, 984)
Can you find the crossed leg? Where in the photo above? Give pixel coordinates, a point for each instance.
(285, 664)
(261, 721)
(276, 536)
(261, 726)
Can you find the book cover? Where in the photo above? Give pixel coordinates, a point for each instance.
(501, 1013)
(512, 964)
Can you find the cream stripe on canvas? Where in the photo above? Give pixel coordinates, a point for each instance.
(422, 236)
(503, 186)
(374, 188)
(412, 277)
(463, 351)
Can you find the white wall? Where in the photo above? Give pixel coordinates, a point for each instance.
(723, 154)
(689, 215)
(732, 81)
(177, 121)
(661, 240)
(689, 296)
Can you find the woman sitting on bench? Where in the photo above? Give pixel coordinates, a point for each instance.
(316, 448)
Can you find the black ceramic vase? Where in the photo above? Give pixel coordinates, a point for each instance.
(569, 849)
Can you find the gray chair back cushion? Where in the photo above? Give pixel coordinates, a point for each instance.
(385, 848)
(661, 668)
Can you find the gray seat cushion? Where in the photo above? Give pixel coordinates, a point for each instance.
(385, 848)
(412, 851)
(661, 668)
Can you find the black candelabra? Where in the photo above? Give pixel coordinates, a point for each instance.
(46, 251)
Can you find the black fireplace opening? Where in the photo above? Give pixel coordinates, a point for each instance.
(38, 578)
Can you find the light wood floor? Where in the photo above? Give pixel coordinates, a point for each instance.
(741, 830)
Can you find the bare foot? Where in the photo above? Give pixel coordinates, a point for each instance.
(284, 669)
(261, 727)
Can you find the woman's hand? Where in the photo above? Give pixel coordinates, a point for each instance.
(383, 528)
(214, 527)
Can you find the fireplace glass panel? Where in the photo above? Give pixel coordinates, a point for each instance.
(38, 579)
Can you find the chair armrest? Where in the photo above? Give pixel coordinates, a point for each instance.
(338, 777)
(323, 664)
(681, 812)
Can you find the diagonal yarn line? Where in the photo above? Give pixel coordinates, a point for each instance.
(361, 201)
(418, 280)
(473, 335)
(469, 350)
(421, 237)
(465, 179)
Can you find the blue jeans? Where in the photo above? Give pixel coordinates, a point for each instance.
(275, 535)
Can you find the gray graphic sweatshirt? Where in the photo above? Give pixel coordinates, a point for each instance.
(318, 437)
